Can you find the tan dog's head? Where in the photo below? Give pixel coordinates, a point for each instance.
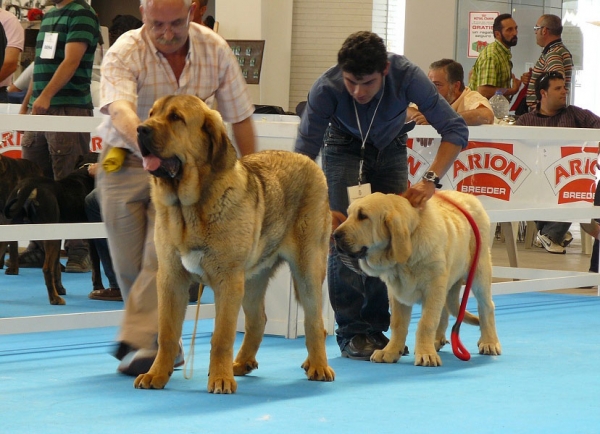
(377, 232)
(183, 130)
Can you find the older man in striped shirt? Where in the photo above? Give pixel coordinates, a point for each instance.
(555, 56)
(168, 55)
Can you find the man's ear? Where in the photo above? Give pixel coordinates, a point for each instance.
(387, 69)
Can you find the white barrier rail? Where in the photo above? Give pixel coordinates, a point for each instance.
(279, 133)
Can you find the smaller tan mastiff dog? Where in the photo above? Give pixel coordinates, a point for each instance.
(228, 223)
(423, 256)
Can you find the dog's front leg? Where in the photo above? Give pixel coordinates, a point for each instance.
(172, 287)
(228, 301)
(399, 321)
(433, 304)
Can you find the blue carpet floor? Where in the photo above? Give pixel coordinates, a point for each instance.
(546, 381)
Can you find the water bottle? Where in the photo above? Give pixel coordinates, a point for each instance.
(500, 105)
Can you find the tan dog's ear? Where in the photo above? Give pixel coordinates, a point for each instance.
(400, 247)
(221, 153)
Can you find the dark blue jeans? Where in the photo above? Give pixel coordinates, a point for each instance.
(360, 303)
(92, 210)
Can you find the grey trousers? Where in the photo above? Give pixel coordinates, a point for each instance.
(129, 217)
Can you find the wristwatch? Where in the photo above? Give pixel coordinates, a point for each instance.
(431, 176)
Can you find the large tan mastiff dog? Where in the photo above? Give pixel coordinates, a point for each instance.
(228, 223)
(423, 256)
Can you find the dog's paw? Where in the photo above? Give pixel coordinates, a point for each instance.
(57, 301)
(243, 368)
(318, 373)
(151, 381)
(427, 360)
(382, 356)
(221, 385)
(490, 349)
(12, 271)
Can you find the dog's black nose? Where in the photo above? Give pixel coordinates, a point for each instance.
(144, 132)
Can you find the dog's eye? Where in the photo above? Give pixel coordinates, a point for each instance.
(173, 117)
(362, 215)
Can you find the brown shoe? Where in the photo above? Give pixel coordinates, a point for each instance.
(110, 294)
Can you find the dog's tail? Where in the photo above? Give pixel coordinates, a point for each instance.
(453, 304)
(21, 202)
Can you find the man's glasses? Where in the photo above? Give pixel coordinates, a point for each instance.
(550, 75)
(536, 28)
(177, 26)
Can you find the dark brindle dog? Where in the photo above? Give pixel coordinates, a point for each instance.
(44, 200)
(12, 170)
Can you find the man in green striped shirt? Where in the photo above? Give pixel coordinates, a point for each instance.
(62, 73)
(493, 67)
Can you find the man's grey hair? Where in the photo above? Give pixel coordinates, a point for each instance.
(187, 3)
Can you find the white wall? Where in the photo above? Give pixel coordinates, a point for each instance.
(430, 31)
(270, 20)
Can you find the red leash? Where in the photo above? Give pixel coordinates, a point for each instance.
(458, 348)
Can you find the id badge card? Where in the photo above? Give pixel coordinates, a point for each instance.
(49, 46)
(358, 191)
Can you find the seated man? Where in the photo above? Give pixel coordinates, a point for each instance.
(552, 111)
(448, 77)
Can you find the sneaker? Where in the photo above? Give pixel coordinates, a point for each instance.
(33, 258)
(78, 264)
(567, 239)
(550, 245)
(138, 362)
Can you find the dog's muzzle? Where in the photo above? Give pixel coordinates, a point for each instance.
(161, 168)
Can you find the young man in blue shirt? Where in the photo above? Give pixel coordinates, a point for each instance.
(356, 117)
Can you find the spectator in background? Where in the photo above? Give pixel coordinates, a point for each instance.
(493, 67)
(14, 44)
(552, 111)
(2, 44)
(121, 24)
(62, 74)
(210, 22)
(555, 56)
(448, 77)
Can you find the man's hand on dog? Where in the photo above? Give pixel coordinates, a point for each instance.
(420, 193)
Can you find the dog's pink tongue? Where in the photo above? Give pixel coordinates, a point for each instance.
(151, 162)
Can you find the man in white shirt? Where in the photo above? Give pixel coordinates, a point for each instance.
(15, 42)
(448, 77)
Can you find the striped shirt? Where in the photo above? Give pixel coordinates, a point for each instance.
(493, 67)
(134, 70)
(554, 57)
(72, 23)
(569, 117)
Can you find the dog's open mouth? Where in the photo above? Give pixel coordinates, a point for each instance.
(160, 167)
(167, 168)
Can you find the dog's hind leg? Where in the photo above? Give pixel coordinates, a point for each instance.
(308, 275)
(256, 319)
(51, 271)
(489, 343)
